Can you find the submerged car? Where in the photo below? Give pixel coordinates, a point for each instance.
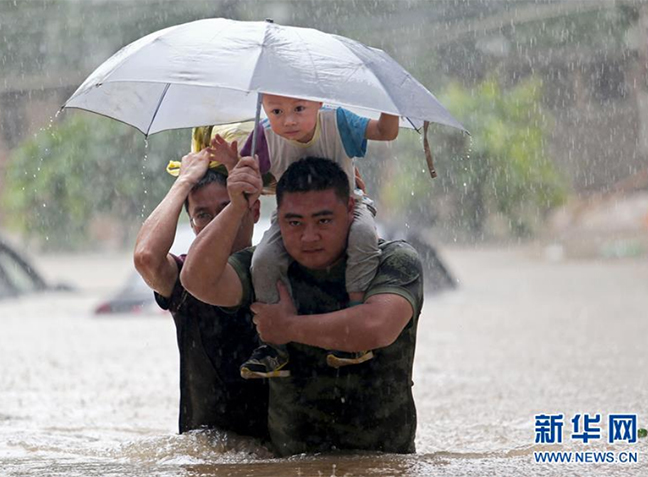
(18, 277)
(436, 275)
(135, 296)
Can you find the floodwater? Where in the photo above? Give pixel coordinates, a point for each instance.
(523, 335)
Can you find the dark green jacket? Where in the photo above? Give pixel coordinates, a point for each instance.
(362, 407)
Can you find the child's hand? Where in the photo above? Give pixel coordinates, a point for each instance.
(383, 129)
(224, 152)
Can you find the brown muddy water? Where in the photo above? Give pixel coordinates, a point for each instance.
(88, 396)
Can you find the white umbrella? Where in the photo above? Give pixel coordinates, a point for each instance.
(213, 71)
(210, 71)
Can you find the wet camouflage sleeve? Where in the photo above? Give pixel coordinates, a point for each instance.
(363, 407)
(400, 273)
(241, 262)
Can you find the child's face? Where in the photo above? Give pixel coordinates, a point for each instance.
(291, 118)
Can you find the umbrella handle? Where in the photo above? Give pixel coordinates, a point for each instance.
(255, 131)
(257, 118)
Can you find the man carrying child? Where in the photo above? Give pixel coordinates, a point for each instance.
(368, 406)
(297, 128)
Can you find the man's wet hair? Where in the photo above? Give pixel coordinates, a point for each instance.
(314, 174)
(211, 176)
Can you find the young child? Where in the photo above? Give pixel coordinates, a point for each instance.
(298, 128)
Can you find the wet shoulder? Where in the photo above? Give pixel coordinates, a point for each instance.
(399, 262)
(399, 273)
(242, 258)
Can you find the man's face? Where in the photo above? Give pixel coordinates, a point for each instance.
(208, 201)
(314, 227)
(291, 118)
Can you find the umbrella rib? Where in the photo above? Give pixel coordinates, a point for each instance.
(345, 42)
(216, 35)
(105, 115)
(126, 58)
(256, 66)
(310, 57)
(387, 92)
(166, 88)
(418, 130)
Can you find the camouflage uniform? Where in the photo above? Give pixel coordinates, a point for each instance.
(213, 342)
(364, 407)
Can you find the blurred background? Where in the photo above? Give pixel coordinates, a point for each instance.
(540, 216)
(554, 93)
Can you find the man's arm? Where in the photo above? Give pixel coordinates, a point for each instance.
(383, 129)
(151, 257)
(374, 324)
(206, 274)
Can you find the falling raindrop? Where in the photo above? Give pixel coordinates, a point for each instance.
(143, 174)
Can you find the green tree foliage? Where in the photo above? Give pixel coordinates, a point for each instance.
(83, 168)
(502, 169)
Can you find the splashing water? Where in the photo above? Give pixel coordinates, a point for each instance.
(470, 146)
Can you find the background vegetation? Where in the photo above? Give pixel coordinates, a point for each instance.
(550, 90)
(85, 170)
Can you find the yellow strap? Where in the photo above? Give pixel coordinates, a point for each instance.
(202, 136)
(173, 167)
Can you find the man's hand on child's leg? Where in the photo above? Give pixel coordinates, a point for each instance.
(274, 321)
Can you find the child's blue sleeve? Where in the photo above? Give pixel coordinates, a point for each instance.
(352, 128)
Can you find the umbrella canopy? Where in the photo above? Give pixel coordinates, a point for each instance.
(210, 72)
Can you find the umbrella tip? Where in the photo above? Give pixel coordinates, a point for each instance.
(269, 20)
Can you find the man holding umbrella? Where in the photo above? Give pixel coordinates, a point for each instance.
(319, 408)
(212, 341)
(214, 71)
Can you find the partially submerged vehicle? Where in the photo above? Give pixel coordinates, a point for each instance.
(18, 277)
(136, 297)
